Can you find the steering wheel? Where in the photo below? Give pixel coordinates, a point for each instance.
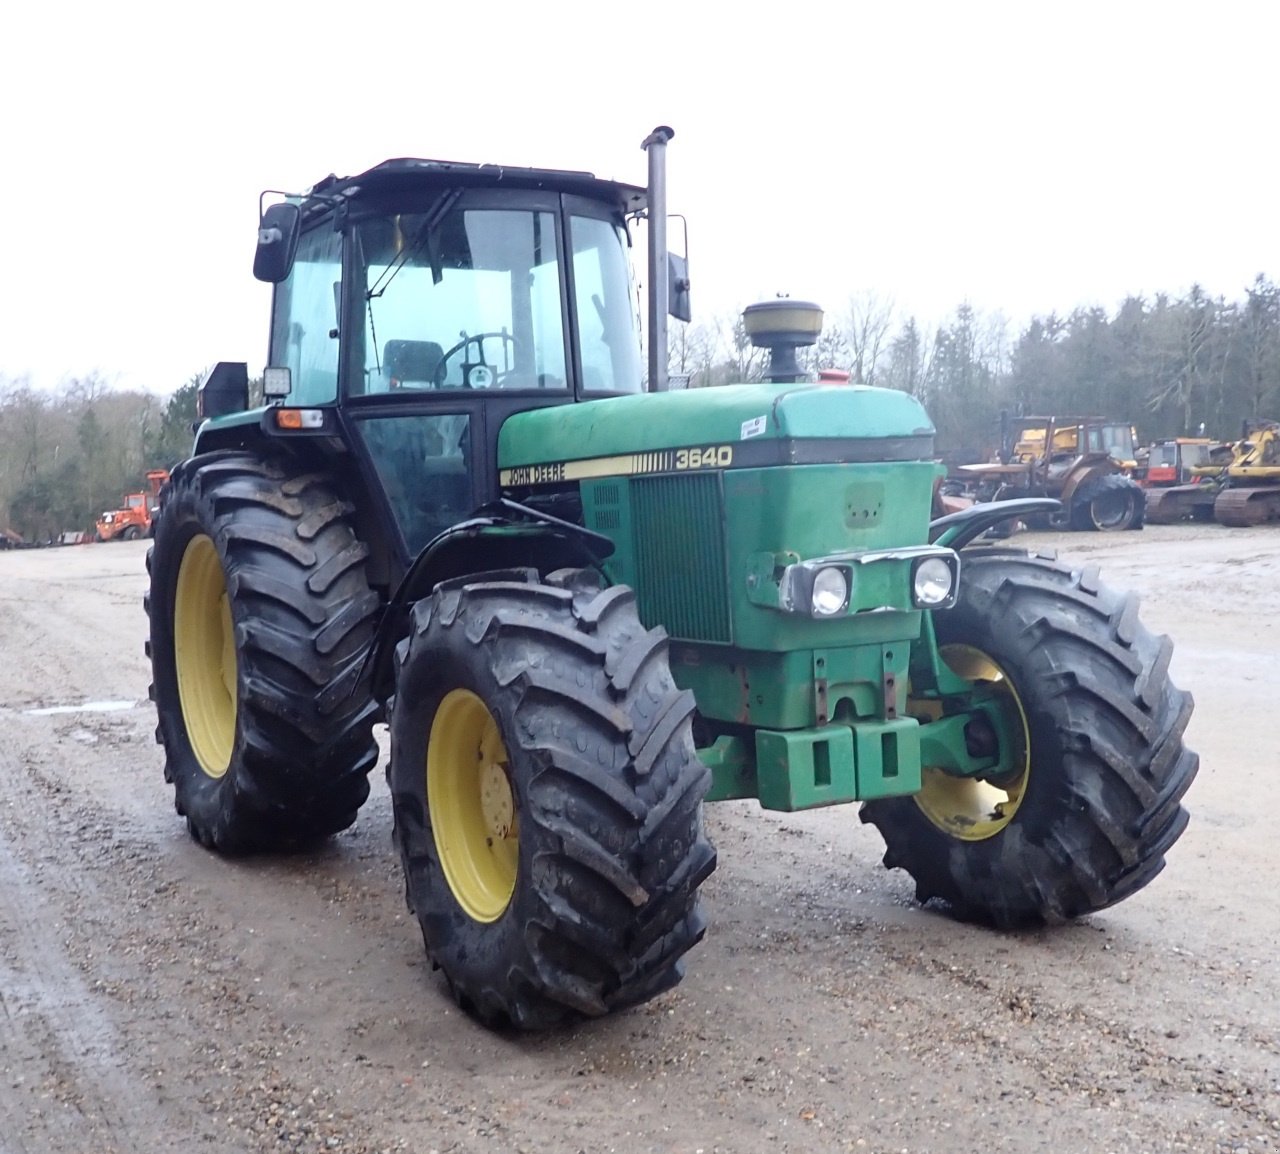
(479, 374)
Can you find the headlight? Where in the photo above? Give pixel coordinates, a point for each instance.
(932, 583)
(830, 592)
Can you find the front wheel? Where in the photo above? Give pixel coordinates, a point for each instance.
(1093, 801)
(547, 798)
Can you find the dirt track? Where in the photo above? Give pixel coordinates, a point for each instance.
(157, 998)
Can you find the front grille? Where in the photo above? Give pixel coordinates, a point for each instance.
(681, 579)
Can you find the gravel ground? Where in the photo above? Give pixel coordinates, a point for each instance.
(157, 998)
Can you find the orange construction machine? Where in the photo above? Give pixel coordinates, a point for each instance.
(133, 518)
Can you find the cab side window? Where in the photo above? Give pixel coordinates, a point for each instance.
(304, 322)
(603, 299)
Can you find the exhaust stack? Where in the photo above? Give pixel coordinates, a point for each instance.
(655, 144)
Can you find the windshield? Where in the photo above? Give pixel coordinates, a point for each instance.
(473, 298)
(1120, 442)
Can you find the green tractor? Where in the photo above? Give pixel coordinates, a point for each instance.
(585, 606)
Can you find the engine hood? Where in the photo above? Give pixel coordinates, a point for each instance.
(742, 425)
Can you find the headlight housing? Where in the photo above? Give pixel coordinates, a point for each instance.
(933, 583)
(830, 592)
(902, 580)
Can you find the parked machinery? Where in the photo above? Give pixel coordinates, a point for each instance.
(135, 516)
(1240, 489)
(1168, 463)
(1082, 462)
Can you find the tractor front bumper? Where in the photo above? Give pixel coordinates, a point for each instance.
(825, 765)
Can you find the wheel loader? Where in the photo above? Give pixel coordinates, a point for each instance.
(1237, 490)
(586, 604)
(136, 515)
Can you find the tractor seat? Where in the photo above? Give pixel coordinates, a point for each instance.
(413, 364)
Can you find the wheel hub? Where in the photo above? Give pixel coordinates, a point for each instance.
(472, 805)
(204, 646)
(965, 807)
(1110, 509)
(496, 802)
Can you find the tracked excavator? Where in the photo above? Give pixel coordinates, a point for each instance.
(1242, 491)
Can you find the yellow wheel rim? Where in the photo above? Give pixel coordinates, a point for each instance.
(964, 807)
(204, 643)
(473, 811)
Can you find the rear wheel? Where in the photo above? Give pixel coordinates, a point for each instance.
(131, 533)
(1093, 801)
(260, 618)
(547, 798)
(1108, 503)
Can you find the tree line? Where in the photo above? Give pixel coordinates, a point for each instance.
(1171, 366)
(66, 456)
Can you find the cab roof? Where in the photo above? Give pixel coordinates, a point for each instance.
(407, 173)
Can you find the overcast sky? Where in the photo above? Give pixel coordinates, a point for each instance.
(1023, 157)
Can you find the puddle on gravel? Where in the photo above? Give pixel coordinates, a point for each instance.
(87, 707)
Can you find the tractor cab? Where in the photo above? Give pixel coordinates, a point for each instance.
(421, 304)
(1172, 462)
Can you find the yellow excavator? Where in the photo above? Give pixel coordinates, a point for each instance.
(1240, 491)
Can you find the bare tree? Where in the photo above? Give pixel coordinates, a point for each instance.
(866, 325)
(910, 360)
(25, 431)
(691, 352)
(86, 390)
(1261, 336)
(1187, 329)
(992, 342)
(830, 351)
(738, 360)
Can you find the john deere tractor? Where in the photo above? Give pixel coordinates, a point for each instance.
(585, 604)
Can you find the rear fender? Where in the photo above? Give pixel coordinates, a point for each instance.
(1081, 476)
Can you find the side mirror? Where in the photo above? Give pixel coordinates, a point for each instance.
(225, 389)
(678, 287)
(277, 242)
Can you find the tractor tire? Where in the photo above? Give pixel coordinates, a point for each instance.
(547, 798)
(131, 533)
(261, 616)
(1110, 503)
(1096, 802)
